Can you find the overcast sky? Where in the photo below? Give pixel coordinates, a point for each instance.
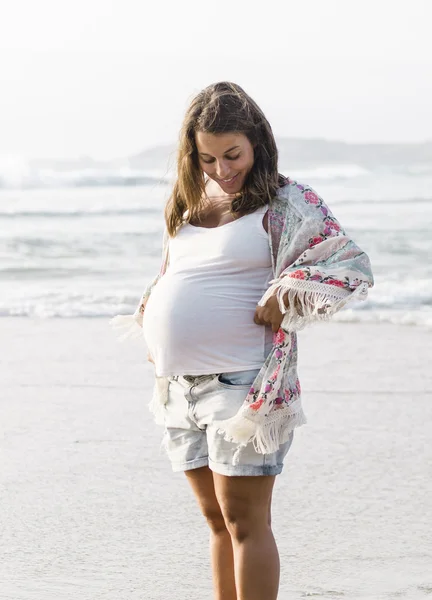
(109, 78)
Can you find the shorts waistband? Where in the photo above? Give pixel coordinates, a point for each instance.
(196, 378)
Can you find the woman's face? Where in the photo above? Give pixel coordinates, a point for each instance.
(226, 158)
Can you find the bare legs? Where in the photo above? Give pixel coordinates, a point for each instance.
(245, 504)
(245, 559)
(221, 550)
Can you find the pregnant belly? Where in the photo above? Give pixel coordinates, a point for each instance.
(191, 327)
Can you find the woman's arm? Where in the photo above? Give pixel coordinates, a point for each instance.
(320, 267)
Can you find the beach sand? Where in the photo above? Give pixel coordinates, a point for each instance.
(90, 509)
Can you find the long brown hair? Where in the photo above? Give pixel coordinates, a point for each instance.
(223, 107)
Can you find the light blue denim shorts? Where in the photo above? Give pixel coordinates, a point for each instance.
(195, 406)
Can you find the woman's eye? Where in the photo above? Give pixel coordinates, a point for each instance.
(208, 162)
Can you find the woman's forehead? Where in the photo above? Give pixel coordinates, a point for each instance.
(218, 143)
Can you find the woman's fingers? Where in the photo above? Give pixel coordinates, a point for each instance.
(269, 315)
(262, 316)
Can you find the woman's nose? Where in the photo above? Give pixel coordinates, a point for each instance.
(222, 170)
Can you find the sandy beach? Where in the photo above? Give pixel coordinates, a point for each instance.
(90, 509)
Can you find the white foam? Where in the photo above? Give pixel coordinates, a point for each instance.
(16, 172)
(327, 172)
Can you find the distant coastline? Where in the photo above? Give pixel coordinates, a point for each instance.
(333, 159)
(298, 152)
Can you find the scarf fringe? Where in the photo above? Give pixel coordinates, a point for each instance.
(126, 327)
(269, 437)
(309, 301)
(266, 437)
(159, 398)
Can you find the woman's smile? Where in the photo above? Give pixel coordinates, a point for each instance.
(230, 180)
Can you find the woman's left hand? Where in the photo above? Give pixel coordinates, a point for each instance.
(269, 314)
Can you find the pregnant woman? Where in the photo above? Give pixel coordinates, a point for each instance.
(249, 258)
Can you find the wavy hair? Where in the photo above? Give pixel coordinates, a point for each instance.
(223, 107)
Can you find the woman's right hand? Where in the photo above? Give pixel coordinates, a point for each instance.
(149, 358)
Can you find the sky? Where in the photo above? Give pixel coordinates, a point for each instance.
(109, 78)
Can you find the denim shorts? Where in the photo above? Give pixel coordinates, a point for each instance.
(195, 406)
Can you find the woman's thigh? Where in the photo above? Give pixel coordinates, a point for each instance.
(245, 502)
(202, 484)
(236, 497)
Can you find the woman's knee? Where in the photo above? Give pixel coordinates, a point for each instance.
(243, 524)
(245, 503)
(215, 520)
(202, 484)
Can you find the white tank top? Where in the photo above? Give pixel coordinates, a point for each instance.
(199, 317)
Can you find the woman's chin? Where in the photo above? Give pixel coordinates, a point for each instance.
(233, 188)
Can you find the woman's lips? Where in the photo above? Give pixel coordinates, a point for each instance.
(230, 180)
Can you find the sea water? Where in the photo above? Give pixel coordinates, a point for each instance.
(90, 251)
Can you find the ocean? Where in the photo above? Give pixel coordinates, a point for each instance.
(89, 250)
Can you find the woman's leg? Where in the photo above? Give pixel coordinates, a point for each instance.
(221, 549)
(245, 503)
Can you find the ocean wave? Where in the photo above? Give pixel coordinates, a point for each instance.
(140, 211)
(68, 304)
(407, 292)
(327, 172)
(338, 172)
(417, 318)
(107, 310)
(32, 257)
(389, 200)
(13, 213)
(24, 175)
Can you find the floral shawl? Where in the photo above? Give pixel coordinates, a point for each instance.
(321, 269)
